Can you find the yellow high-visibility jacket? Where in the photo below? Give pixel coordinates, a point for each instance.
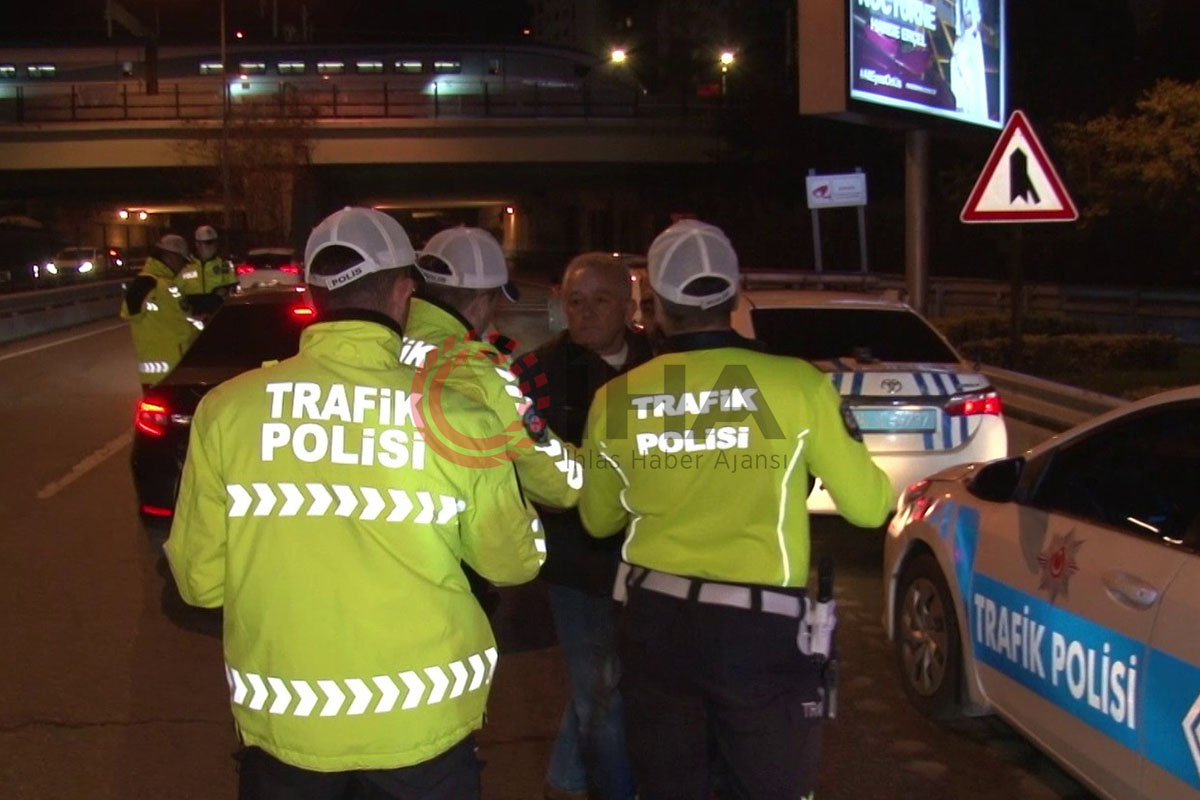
(161, 327)
(206, 276)
(318, 508)
(704, 455)
(440, 340)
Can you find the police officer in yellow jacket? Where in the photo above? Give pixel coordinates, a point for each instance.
(158, 316)
(703, 457)
(321, 507)
(464, 273)
(207, 277)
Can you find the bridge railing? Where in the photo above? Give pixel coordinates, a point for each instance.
(351, 100)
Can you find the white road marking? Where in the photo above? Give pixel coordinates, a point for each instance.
(29, 350)
(85, 466)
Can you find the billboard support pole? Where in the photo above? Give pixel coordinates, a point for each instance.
(1016, 275)
(916, 217)
(862, 233)
(816, 229)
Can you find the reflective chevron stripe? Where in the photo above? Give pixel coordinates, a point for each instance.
(553, 448)
(365, 503)
(566, 464)
(512, 389)
(377, 694)
(154, 367)
(539, 540)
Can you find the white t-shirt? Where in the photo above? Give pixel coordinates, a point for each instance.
(617, 359)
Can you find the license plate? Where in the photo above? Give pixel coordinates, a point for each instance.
(896, 420)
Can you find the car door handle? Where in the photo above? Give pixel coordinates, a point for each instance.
(1125, 588)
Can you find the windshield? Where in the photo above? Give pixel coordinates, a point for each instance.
(76, 253)
(821, 334)
(269, 260)
(246, 335)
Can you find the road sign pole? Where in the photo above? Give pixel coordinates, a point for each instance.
(862, 233)
(816, 229)
(1016, 276)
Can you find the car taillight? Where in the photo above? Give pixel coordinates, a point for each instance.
(244, 269)
(970, 405)
(291, 269)
(158, 511)
(304, 312)
(152, 417)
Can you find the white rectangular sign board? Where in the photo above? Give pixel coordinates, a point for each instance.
(836, 191)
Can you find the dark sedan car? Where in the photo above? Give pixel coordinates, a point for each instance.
(250, 328)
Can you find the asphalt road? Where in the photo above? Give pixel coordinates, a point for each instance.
(107, 697)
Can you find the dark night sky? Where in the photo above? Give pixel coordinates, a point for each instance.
(1068, 58)
(56, 21)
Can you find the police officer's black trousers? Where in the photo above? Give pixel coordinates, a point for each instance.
(713, 690)
(453, 775)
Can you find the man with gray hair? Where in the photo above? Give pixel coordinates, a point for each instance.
(589, 758)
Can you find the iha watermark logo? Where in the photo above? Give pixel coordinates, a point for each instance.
(480, 369)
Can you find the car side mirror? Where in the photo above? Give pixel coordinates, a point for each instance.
(998, 480)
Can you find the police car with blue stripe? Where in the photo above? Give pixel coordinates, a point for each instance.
(1058, 589)
(919, 405)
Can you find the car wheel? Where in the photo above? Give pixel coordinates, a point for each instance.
(928, 649)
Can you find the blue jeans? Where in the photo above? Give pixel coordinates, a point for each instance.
(589, 753)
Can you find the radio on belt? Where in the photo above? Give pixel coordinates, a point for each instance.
(815, 637)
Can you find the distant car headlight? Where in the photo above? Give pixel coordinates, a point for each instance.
(86, 266)
(53, 270)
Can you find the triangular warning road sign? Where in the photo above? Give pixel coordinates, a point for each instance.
(1019, 183)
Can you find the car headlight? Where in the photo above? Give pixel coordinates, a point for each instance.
(50, 268)
(85, 266)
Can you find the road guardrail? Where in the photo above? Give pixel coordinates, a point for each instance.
(1050, 405)
(30, 313)
(1044, 403)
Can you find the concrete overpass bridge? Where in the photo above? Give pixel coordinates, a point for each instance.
(554, 171)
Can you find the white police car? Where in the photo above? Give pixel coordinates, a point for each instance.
(919, 405)
(1061, 590)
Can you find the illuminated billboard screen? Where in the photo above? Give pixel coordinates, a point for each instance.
(942, 57)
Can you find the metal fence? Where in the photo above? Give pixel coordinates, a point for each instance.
(1128, 309)
(355, 100)
(1117, 308)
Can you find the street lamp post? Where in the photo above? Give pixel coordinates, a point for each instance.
(727, 58)
(225, 194)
